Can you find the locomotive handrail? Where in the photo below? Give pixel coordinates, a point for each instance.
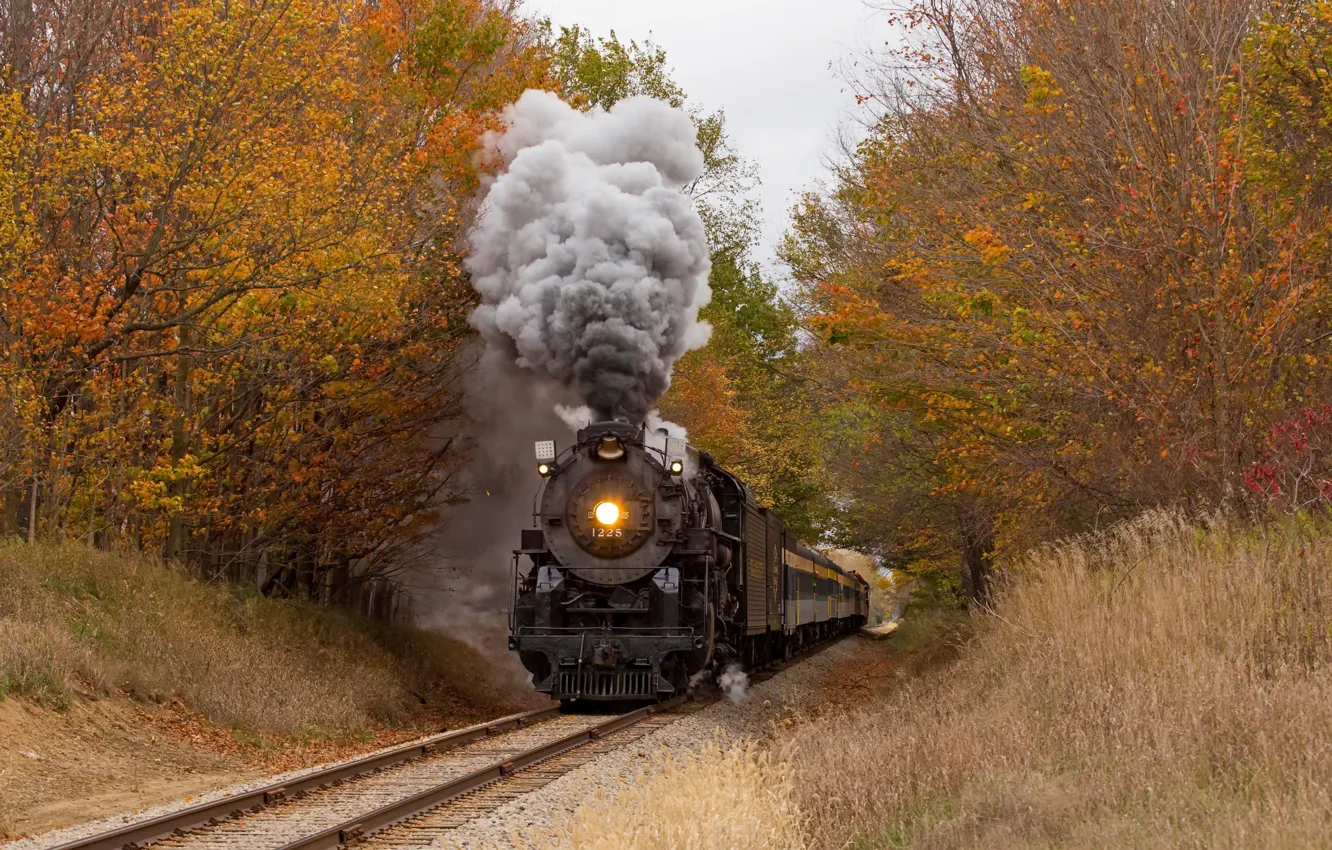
(597, 630)
(578, 568)
(683, 631)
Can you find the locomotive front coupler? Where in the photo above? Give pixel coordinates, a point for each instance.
(603, 654)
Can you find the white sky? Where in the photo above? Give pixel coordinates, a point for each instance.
(770, 64)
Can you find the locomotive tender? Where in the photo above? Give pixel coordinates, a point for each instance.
(649, 563)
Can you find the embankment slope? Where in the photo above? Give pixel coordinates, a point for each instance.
(124, 683)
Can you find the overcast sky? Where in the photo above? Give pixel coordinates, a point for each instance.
(769, 63)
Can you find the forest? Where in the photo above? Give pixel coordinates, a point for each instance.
(1075, 268)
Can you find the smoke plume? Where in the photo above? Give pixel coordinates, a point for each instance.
(590, 260)
(467, 592)
(591, 265)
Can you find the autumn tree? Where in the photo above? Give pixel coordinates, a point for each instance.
(1075, 268)
(233, 299)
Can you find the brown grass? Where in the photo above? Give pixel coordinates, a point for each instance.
(79, 622)
(1160, 685)
(736, 798)
(1165, 684)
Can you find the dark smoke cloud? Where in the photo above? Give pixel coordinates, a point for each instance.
(590, 261)
(466, 593)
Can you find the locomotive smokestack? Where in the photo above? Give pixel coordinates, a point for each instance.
(590, 260)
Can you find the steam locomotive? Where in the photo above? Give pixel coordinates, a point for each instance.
(649, 563)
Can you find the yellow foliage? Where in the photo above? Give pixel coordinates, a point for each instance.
(992, 250)
(14, 223)
(1042, 89)
(233, 255)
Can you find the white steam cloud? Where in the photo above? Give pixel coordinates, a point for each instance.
(590, 260)
(735, 682)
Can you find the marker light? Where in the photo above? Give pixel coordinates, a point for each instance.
(607, 513)
(543, 469)
(676, 467)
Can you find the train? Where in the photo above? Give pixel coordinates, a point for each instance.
(648, 565)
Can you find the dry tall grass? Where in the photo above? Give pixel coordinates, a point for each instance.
(75, 620)
(1159, 685)
(735, 798)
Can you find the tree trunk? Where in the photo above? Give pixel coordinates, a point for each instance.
(13, 506)
(175, 542)
(32, 511)
(977, 532)
(976, 571)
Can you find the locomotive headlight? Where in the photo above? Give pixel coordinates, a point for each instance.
(607, 513)
(677, 467)
(543, 469)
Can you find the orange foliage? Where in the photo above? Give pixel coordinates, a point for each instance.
(1081, 265)
(702, 392)
(233, 299)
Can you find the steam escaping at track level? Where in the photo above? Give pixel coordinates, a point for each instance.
(590, 259)
(734, 682)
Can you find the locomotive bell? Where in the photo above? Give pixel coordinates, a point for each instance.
(610, 449)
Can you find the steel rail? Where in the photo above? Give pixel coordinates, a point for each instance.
(135, 835)
(353, 831)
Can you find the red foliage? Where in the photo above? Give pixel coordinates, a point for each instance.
(1293, 466)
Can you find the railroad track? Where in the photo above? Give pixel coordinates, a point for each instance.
(401, 797)
(408, 796)
(424, 830)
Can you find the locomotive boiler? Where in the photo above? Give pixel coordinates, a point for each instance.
(648, 563)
